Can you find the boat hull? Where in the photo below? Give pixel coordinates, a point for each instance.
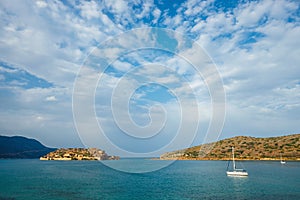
(236, 173)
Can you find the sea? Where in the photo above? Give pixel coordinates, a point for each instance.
(34, 179)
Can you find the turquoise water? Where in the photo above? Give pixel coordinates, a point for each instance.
(34, 179)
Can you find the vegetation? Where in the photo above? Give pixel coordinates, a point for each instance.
(246, 148)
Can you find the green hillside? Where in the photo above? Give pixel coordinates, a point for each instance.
(246, 148)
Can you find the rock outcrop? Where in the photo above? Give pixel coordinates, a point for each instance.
(78, 154)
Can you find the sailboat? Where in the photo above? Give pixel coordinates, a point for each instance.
(235, 171)
(282, 161)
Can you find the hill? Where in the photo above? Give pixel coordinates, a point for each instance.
(22, 147)
(246, 148)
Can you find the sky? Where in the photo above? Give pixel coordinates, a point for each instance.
(140, 78)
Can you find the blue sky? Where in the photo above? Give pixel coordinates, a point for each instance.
(47, 45)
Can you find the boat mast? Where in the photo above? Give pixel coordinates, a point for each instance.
(233, 158)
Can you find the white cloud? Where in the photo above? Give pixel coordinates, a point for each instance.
(51, 98)
(89, 9)
(156, 14)
(41, 3)
(4, 69)
(255, 45)
(249, 14)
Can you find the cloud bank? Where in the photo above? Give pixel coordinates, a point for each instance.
(254, 44)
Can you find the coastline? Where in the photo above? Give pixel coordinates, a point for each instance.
(226, 159)
(78, 154)
(247, 148)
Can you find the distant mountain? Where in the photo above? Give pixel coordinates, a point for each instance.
(246, 148)
(22, 147)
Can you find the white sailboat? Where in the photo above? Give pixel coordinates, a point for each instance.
(235, 171)
(282, 161)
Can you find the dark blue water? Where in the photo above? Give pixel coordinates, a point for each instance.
(34, 179)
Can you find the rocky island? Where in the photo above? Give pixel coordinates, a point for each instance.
(246, 148)
(78, 154)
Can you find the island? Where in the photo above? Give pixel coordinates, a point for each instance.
(78, 154)
(246, 148)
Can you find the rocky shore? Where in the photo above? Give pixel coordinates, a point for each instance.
(78, 154)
